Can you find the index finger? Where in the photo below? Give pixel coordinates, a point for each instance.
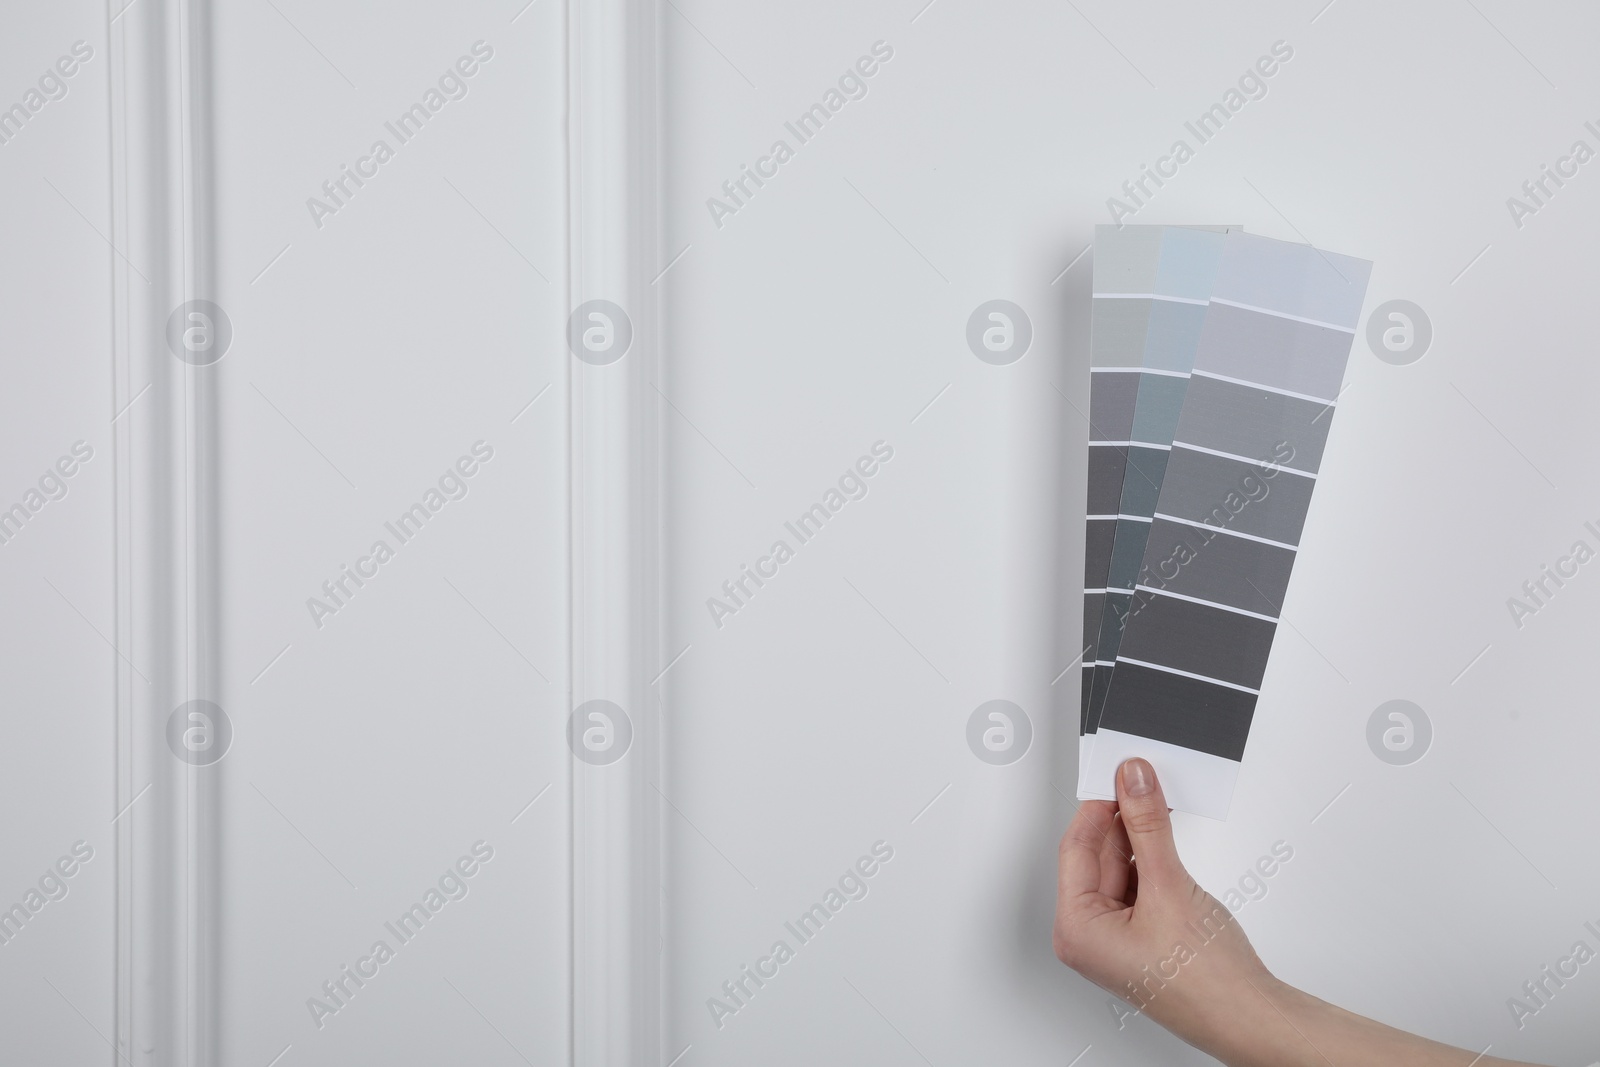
(1079, 871)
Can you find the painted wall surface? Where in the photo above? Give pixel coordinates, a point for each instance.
(402, 350)
(816, 351)
(829, 312)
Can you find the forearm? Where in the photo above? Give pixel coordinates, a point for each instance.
(1276, 1025)
(1151, 935)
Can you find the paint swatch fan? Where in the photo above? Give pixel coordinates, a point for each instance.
(1215, 361)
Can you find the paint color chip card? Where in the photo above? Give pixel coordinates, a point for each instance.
(1184, 635)
(1126, 262)
(1185, 273)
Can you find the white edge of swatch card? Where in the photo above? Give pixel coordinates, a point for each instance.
(1196, 782)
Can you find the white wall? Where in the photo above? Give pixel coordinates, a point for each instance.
(827, 714)
(56, 578)
(826, 313)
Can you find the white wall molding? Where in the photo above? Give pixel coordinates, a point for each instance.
(166, 532)
(164, 230)
(615, 474)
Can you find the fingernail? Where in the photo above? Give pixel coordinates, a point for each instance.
(1138, 778)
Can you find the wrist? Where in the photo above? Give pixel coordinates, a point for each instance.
(1254, 1020)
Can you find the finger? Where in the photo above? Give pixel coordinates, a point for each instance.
(1079, 869)
(1144, 814)
(1116, 862)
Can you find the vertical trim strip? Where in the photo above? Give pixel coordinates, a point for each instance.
(167, 846)
(614, 477)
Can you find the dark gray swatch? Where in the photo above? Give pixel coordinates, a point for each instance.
(1180, 711)
(1092, 604)
(1200, 639)
(1210, 565)
(1105, 478)
(1099, 534)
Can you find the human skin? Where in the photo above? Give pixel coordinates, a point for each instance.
(1125, 902)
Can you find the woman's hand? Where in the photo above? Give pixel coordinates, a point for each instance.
(1130, 919)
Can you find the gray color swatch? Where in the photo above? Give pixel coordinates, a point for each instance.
(1211, 565)
(1112, 399)
(1173, 335)
(1184, 277)
(1276, 352)
(1249, 421)
(1241, 497)
(1180, 711)
(1126, 260)
(1158, 405)
(1106, 463)
(1199, 639)
(1141, 483)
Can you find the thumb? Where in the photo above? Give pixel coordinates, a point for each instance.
(1149, 825)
